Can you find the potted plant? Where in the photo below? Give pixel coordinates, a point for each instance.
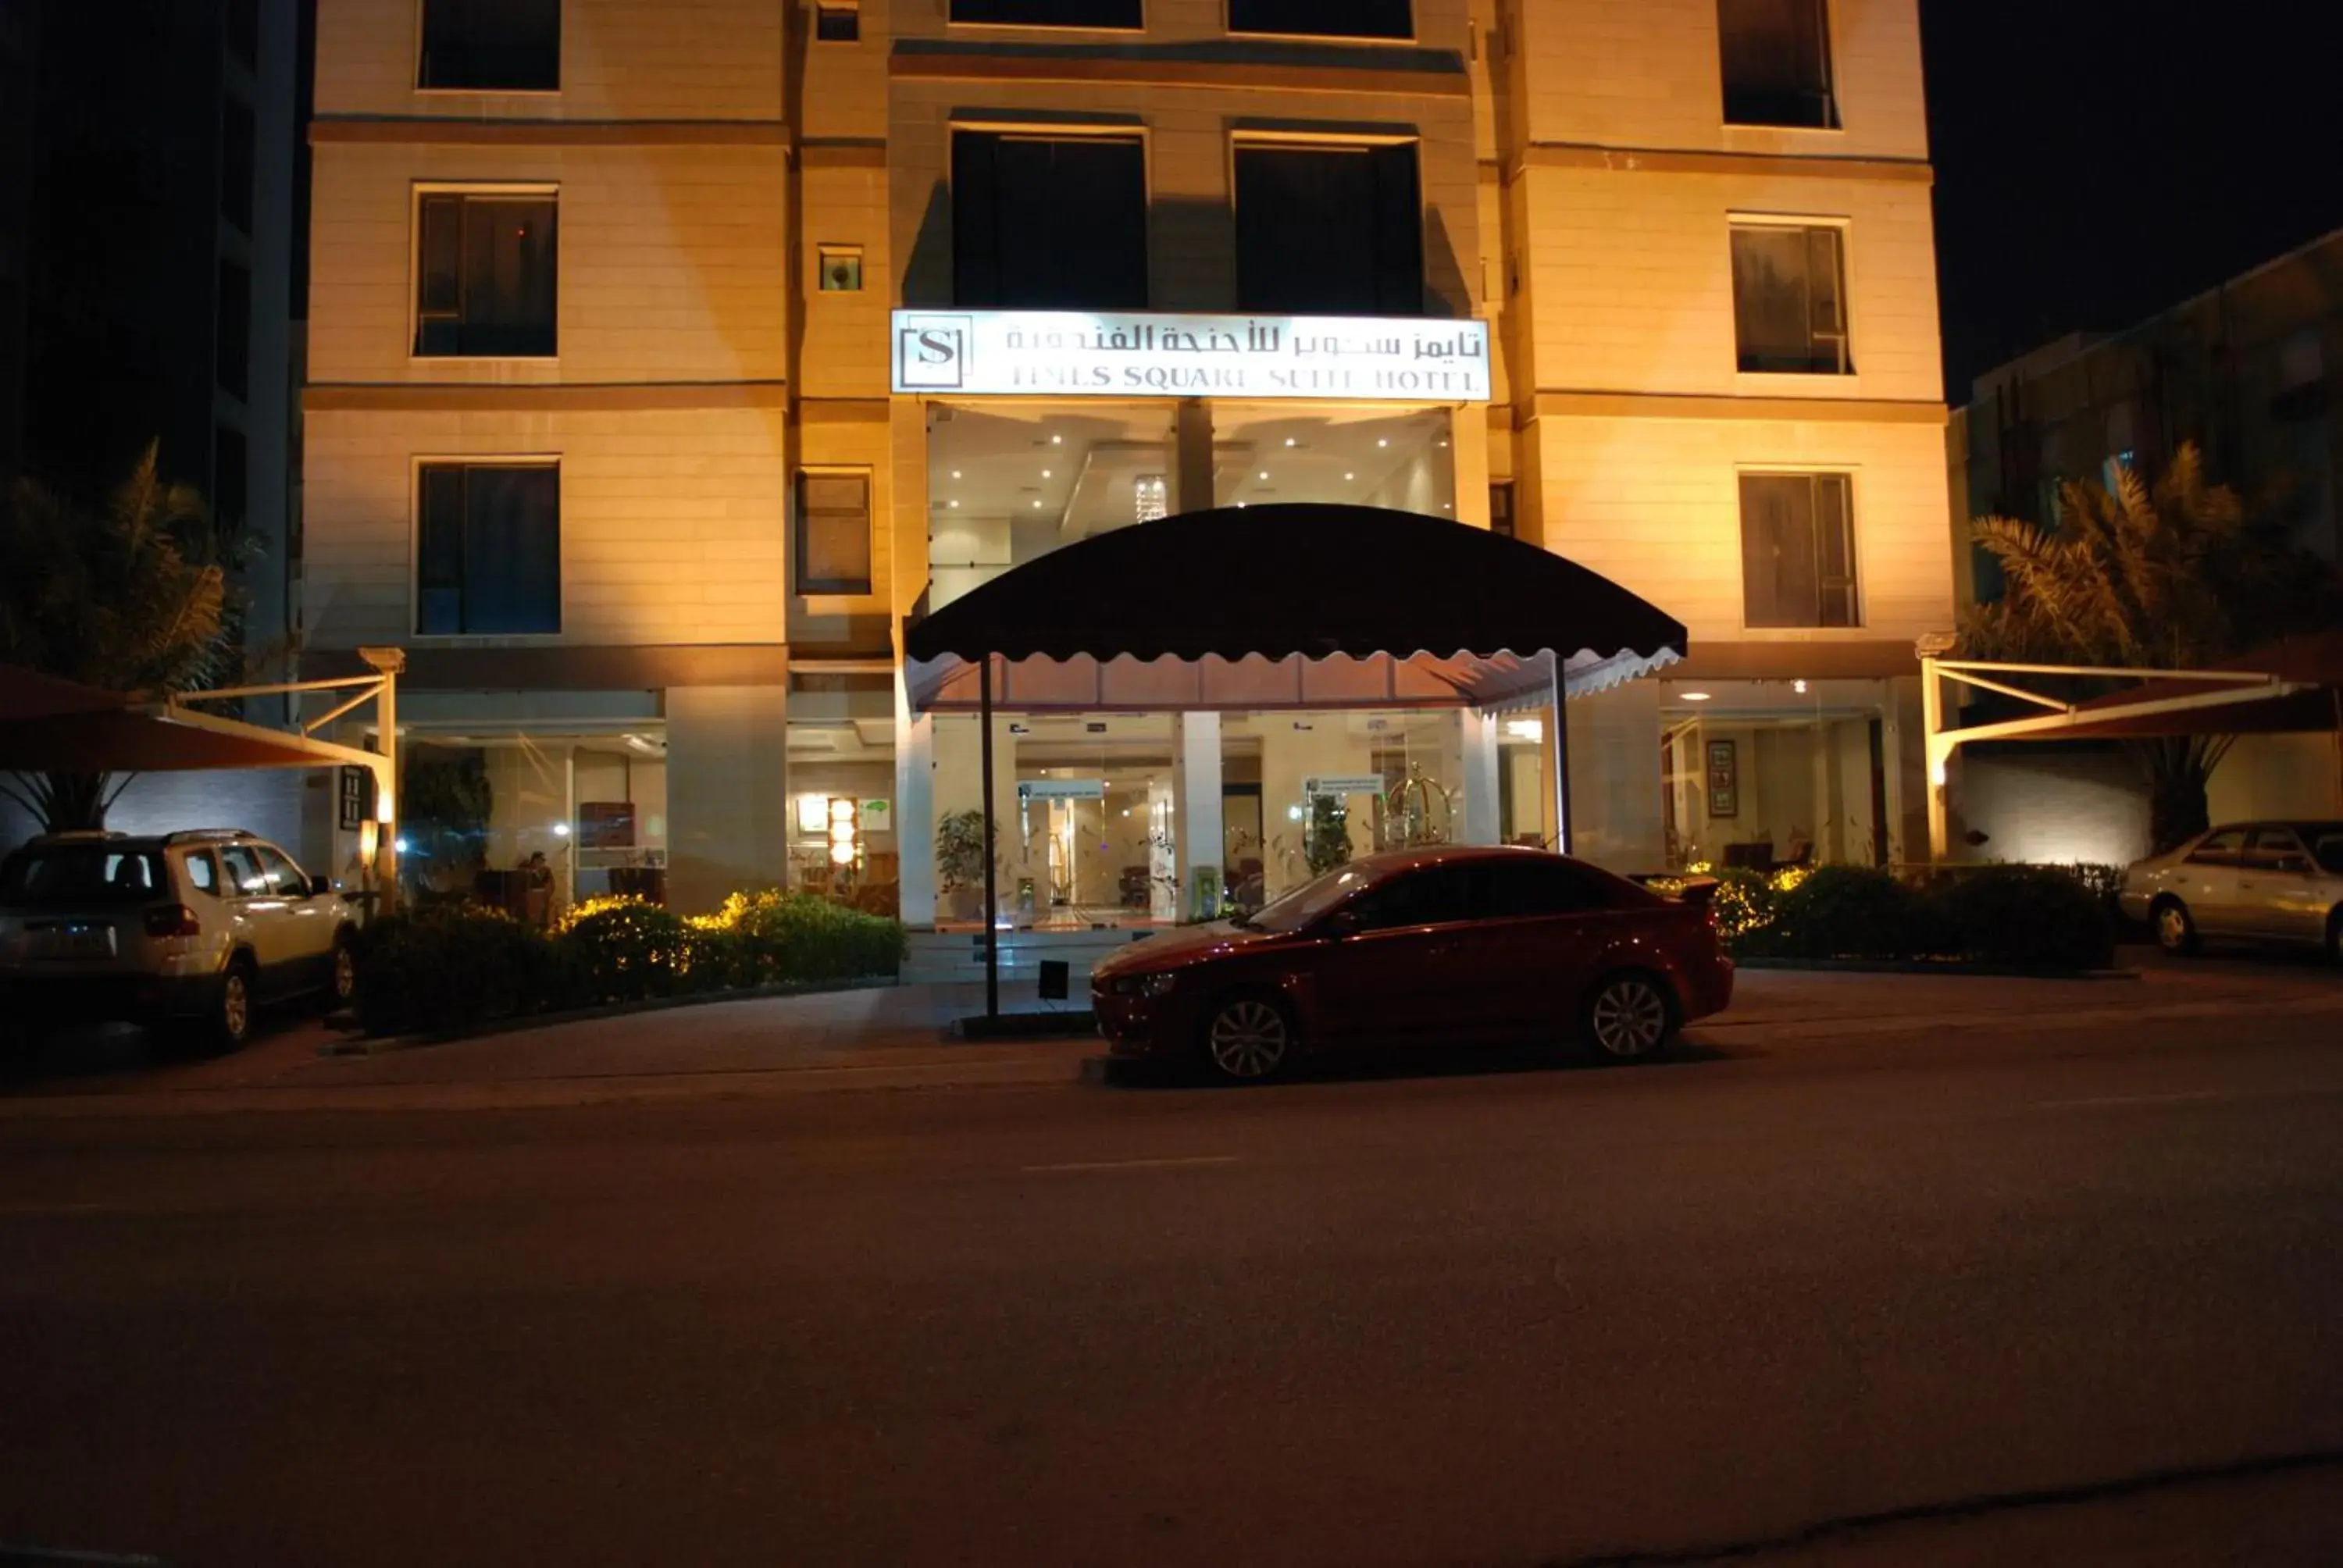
(961, 846)
(1329, 843)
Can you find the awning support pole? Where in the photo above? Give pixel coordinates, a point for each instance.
(1562, 838)
(1936, 751)
(992, 860)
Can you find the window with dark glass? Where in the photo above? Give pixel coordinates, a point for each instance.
(837, 24)
(243, 31)
(1329, 230)
(235, 162)
(1049, 222)
(1051, 13)
(1529, 887)
(487, 554)
(834, 533)
(1797, 550)
(1323, 18)
(1500, 509)
(491, 45)
(485, 275)
(1429, 897)
(1777, 63)
(232, 330)
(1789, 299)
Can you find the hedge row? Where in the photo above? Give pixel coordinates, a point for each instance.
(2033, 915)
(457, 966)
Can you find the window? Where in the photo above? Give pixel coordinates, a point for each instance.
(1049, 222)
(284, 878)
(1777, 64)
(245, 874)
(235, 162)
(2326, 847)
(1519, 888)
(841, 269)
(2221, 849)
(1797, 550)
(1050, 12)
(231, 476)
(487, 554)
(1789, 299)
(2274, 849)
(837, 24)
(49, 876)
(1500, 510)
(1322, 18)
(491, 45)
(203, 873)
(485, 275)
(834, 533)
(1429, 897)
(1329, 230)
(232, 325)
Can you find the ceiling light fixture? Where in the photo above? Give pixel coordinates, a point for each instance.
(955, 473)
(1694, 696)
(1037, 505)
(1382, 441)
(954, 504)
(1350, 476)
(1799, 687)
(1264, 473)
(1290, 441)
(1057, 440)
(1045, 473)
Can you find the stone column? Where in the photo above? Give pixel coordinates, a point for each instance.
(1477, 821)
(728, 793)
(1197, 835)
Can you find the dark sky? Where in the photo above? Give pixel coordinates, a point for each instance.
(2099, 159)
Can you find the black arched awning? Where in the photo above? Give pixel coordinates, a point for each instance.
(1306, 581)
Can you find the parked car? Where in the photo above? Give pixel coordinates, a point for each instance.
(190, 931)
(1421, 947)
(2255, 881)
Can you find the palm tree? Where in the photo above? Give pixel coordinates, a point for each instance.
(130, 595)
(2179, 575)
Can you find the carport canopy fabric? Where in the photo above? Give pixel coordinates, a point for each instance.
(47, 724)
(1244, 597)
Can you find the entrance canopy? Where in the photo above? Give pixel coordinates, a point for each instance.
(48, 724)
(1293, 605)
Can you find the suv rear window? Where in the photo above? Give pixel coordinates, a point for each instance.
(54, 875)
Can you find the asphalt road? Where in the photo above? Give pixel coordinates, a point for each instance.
(1506, 1316)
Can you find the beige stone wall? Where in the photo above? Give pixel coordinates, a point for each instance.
(1439, 24)
(1653, 503)
(671, 520)
(1632, 275)
(671, 265)
(1648, 74)
(621, 60)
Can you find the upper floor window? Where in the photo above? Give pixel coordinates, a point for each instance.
(1323, 18)
(1329, 230)
(1789, 299)
(1797, 550)
(484, 273)
(1777, 63)
(1049, 222)
(487, 548)
(836, 22)
(1051, 13)
(491, 45)
(834, 533)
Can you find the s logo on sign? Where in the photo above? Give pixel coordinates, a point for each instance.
(932, 352)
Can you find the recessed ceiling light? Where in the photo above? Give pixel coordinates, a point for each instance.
(1290, 441)
(1240, 506)
(953, 503)
(1264, 473)
(1382, 441)
(1057, 440)
(1350, 476)
(1045, 473)
(1799, 687)
(1037, 505)
(1447, 506)
(1694, 696)
(955, 473)
(1443, 443)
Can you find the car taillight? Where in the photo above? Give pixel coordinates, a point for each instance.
(173, 921)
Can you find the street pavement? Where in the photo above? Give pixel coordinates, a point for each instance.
(1984, 1275)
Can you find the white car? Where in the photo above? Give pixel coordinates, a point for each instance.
(2255, 881)
(194, 931)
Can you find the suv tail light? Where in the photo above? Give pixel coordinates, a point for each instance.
(173, 921)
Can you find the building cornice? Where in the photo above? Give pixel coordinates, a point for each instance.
(447, 131)
(1209, 65)
(538, 397)
(1676, 161)
(1600, 404)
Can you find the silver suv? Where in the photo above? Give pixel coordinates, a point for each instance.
(193, 932)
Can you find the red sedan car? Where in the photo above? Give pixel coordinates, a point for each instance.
(1421, 947)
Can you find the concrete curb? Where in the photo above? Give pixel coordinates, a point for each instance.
(383, 1045)
(1923, 967)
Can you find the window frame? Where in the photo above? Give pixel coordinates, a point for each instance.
(1739, 222)
(1831, 52)
(560, 47)
(1852, 474)
(1414, 35)
(1140, 27)
(823, 10)
(415, 542)
(804, 587)
(1046, 130)
(542, 190)
(2232, 859)
(1241, 141)
(826, 253)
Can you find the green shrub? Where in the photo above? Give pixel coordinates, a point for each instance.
(719, 958)
(2033, 915)
(803, 938)
(630, 949)
(1844, 912)
(455, 967)
(1744, 901)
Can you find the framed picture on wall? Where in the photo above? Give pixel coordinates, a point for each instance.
(1723, 779)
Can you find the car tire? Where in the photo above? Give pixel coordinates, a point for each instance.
(1628, 1016)
(2176, 932)
(2335, 936)
(234, 1006)
(342, 979)
(1249, 1038)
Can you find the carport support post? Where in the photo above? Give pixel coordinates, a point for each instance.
(386, 662)
(1561, 835)
(992, 860)
(1937, 752)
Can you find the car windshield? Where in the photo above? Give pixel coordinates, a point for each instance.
(1306, 902)
(51, 875)
(2326, 842)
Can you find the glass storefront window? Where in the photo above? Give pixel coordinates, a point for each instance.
(843, 842)
(1771, 773)
(1365, 456)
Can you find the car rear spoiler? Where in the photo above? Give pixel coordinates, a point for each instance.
(1698, 891)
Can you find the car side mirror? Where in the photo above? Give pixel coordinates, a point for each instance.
(1340, 923)
(320, 886)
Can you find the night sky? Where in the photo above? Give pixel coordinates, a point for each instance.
(2099, 159)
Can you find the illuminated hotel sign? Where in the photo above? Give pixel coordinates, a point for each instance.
(1063, 354)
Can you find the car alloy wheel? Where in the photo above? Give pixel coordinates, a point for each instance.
(1628, 1017)
(235, 1007)
(1248, 1039)
(345, 973)
(2174, 931)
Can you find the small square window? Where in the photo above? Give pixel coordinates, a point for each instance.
(837, 24)
(841, 269)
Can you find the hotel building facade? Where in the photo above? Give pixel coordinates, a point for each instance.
(666, 357)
